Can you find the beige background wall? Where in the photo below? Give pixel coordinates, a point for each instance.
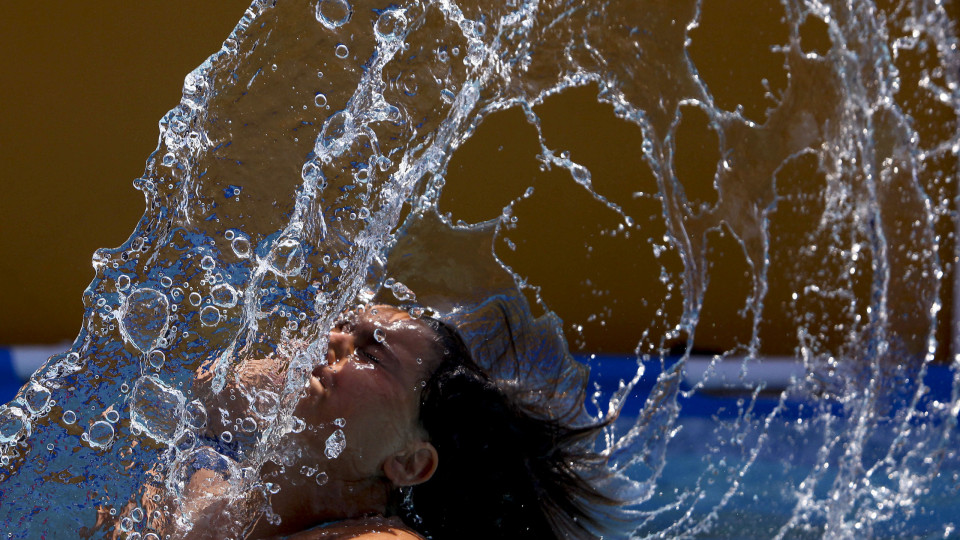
(82, 86)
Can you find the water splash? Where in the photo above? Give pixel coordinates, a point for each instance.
(273, 199)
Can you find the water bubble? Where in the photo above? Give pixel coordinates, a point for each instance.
(169, 159)
(156, 359)
(390, 25)
(195, 415)
(37, 397)
(166, 282)
(286, 258)
(226, 437)
(229, 235)
(13, 424)
(195, 298)
(322, 478)
(408, 83)
(69, 417)
(241, 247)
(50, 447)
(143, 318)
(415, 312)
(334, 131)
(266, 404)
(123, 282)
(341, 51)
(224, 295)
(137, 514)
(334, 13)
(379, 335)
(308, 471)
(320, 99)
(112, 416)
(100, 434)
(207, 263)
(248, 424)
(156, 408)
(335, 444)
(364, 213)
(210, 316)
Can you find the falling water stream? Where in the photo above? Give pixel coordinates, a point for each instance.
(314, 156)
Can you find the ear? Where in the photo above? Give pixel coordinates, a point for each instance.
(414, 465)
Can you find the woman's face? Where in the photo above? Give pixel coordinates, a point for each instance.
(368, 394)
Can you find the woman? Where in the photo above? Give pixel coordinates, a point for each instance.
(411, 438)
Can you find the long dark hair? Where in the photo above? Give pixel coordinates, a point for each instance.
(503, 471)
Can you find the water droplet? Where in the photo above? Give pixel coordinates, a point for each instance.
(143, 318)
(224, 295)
(37, 397)
(207, 263)
(195, 415)
(100, 434)
(334, 13)
(229, 235)
(286, 258)
(320, 99)
(415, 312)
(248, 424)
(266, 404)
(340, 422)
(123, 282)
(409, 84)
(241, 247)
(341, 51)
(390, 25)
(379, 335)
(335, 444)
(166, 282)
(226, 437)
(112, 416)
(13, 424)
(50, 447)
(156, 359)
(137, 514)
(156, 408)
(322, 478)
(69, 417)
(210, 316)
(195, 298)
(403, 293)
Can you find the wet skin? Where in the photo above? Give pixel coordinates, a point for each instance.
(377, 363)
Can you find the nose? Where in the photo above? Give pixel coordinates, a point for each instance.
(342, 345)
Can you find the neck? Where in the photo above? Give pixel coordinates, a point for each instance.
(304, 504)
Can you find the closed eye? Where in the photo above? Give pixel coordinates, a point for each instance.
(368, 356)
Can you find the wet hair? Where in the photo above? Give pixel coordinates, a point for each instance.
(503, 471)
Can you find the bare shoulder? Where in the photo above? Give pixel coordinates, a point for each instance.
(368, 528)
